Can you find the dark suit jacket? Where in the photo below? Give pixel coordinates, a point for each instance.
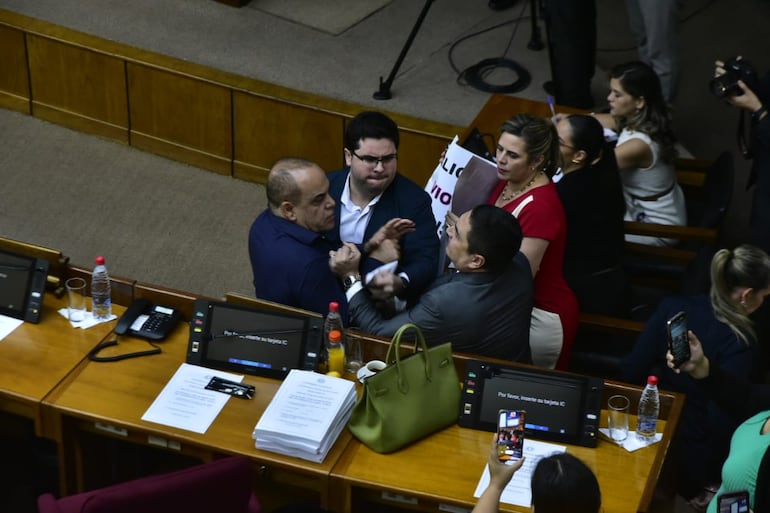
(480, 313)
(759, 222)
(419, 249)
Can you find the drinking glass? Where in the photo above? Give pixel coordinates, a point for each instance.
(617, 405)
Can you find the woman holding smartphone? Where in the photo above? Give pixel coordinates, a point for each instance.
(740, 280)
(747, 466)
(561, 483)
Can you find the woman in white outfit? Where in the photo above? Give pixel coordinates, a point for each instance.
(645, 149)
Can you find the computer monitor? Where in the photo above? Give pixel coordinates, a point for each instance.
(252, 340)
(22, 285)
(560, 406)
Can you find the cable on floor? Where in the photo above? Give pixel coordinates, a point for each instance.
(476, 75)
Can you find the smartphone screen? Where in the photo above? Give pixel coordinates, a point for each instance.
(510, 435)
(734, 502)
(678, 342)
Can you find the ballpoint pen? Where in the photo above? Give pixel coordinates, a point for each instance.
(550, 105)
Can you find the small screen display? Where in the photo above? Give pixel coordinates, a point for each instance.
(256, 340)
(553, 404)
(15, 276)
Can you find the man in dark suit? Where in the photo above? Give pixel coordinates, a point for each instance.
(369, 192)
(289, 254)
(484, 308)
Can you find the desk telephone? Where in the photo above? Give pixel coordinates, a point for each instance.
(144, 320)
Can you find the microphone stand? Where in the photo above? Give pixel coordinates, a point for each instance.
(535, 41)
(384, 91)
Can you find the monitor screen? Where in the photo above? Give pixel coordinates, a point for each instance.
(560, 406)
(553, 405)
(22, 285)
(15, 273)
(252, 341)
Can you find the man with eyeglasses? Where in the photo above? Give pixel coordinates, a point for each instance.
(369, 192)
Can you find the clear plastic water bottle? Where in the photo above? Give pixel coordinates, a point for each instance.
(649, 407)
(100, 291)
(333, 320)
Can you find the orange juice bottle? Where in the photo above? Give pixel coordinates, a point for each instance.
(336, 352)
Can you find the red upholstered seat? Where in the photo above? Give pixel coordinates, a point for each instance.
(224, 485)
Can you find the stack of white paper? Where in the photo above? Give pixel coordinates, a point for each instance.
(306, 415)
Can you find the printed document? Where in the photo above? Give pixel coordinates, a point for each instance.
(8, 324)
(306, 415)
(185, 403)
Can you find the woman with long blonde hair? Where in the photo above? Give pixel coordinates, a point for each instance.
(740, 281)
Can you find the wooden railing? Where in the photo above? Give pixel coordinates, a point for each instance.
(220, 121)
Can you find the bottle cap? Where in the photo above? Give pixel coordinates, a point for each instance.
(335, 335)
(99, 260)
(334, 306)
(652, 380)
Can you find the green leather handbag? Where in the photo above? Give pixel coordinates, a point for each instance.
(409, 399)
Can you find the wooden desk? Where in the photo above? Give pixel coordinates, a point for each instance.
(109, 399)
(444, 469)
(441, 472)
(500, 107)
(35, 358)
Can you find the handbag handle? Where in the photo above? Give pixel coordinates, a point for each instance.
(395, 345)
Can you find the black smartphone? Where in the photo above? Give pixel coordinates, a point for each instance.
(678, 341)
(510, 435)
(733, 502)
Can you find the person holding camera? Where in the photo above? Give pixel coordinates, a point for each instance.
(737, 83)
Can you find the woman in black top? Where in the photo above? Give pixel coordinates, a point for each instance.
(590, 190)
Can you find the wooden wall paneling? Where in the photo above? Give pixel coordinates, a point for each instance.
(181, 117)
(266, 129)
(209, 118)
(78, 87)
(14, 79)
(158, 295)
(418, 154)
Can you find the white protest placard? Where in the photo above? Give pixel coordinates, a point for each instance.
(441, 184)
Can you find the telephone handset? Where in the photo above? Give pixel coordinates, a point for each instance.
(144, 320)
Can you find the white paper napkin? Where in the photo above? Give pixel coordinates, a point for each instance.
(88, 321)
(632, 442)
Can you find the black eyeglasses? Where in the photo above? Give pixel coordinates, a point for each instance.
(372, 161)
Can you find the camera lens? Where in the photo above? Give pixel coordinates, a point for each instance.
(718, 87)
(725, 85)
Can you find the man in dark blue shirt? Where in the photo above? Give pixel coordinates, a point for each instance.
(289, 256)
(289, 253)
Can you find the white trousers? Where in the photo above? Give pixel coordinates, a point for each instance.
(546, 338)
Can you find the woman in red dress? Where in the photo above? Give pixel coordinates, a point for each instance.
(527, 156)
